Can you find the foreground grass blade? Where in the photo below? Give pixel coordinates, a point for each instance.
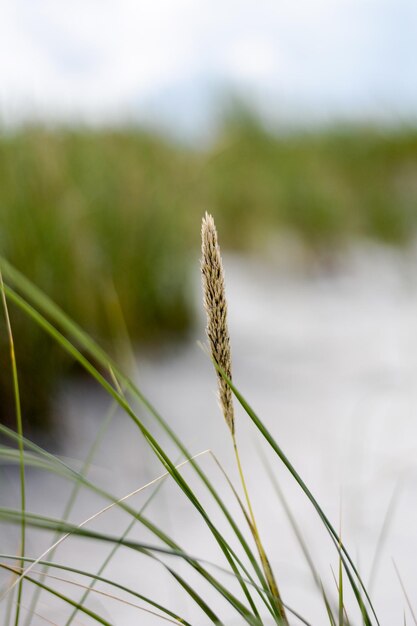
(328, 609)
(340, 589)
(299, 536)
(20, 432)
(197, 598)
(406, 596)
(346, 559)
(293, 522)
(388, 519)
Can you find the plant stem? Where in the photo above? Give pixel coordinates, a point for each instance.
(266, 566)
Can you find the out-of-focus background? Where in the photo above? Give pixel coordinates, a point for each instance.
(121, 123)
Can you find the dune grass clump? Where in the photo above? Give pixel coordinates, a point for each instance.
(238, 577)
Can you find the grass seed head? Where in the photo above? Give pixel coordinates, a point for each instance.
(216, 308)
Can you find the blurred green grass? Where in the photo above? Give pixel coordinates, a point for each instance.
(107, 221)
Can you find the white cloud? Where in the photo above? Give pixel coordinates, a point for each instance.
(102, 59)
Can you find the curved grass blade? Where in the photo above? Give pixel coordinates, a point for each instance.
(346, 559)
(293, 523)
(198, 599)
(298, 535)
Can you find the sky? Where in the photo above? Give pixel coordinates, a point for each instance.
(171, 61)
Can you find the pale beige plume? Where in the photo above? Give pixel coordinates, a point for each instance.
(216, 308)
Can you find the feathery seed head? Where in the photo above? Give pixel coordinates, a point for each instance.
(216, 308)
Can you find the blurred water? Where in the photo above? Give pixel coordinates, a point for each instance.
(329, 362)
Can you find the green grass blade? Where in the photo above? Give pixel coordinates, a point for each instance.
(19, 427)
(346, 559)
(328, 609)
(293, 523)
(406, 596)
(388, 519)
(197, 598)
(297, 533)
(340, 592)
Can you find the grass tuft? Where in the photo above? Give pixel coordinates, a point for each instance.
(252, 595)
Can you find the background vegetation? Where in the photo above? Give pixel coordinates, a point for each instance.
(104, 221)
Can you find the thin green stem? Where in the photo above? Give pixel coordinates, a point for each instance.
(266, 566)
